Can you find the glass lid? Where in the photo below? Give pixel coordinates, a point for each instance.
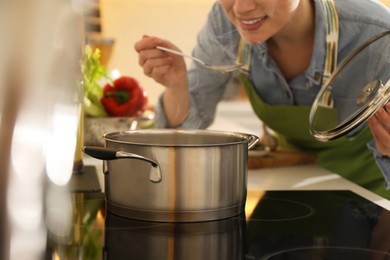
(358, 87)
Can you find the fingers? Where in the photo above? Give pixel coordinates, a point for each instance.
(151, 58)
(147, 42)
(162, 66)
(146, 48)
(382, 117)
(379, 124)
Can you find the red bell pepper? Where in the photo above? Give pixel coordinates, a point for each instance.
(124, 98)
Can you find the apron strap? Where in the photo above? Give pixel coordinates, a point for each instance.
(244, 56)
(332, 38)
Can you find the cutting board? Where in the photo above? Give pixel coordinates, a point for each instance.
(279, 158)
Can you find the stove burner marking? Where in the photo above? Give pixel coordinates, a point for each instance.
(308, 210)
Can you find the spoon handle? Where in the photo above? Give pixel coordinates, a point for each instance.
(181, 54)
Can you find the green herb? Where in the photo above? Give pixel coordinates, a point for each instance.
(93, 72)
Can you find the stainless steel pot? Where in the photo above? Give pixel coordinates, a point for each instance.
(175, 175)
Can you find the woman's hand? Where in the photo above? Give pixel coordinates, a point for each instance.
(379, 124)
(165, 68)
(169, 70)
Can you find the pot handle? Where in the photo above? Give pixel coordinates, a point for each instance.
(252, 140)
(103, 153)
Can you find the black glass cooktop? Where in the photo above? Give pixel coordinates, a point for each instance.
(276, 225)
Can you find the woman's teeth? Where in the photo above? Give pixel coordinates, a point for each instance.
(249, 22)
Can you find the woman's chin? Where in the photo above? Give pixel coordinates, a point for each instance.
(253, 36)
(252, 40)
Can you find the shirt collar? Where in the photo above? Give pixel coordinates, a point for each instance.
(315, 71)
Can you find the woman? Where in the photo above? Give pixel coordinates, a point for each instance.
(283, 43)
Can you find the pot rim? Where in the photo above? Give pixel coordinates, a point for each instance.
(232, 138)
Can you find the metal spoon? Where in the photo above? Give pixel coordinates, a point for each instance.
(222, 68)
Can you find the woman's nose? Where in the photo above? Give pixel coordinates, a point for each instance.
(244, 6)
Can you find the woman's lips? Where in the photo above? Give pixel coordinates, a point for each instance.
(252, 24)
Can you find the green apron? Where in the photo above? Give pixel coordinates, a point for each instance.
(348, 157)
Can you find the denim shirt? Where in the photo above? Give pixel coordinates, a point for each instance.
(217, 43)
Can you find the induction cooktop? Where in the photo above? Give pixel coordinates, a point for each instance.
(328, 224)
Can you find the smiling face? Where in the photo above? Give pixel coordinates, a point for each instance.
(259, 20)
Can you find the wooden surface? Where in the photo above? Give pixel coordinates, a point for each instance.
(279, 158)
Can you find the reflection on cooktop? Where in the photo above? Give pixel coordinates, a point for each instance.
(132, 239)
(343, 226)
(282, 225)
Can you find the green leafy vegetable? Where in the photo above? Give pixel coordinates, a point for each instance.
(93, 72)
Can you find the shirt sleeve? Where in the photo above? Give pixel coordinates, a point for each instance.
(192, 121)
(382, 161)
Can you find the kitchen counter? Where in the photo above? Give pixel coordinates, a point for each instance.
(239, 117)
